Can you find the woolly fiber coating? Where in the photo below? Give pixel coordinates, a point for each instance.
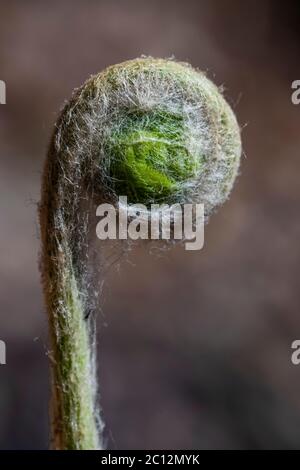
(150, 129)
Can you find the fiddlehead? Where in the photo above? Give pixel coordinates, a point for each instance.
(150, 129)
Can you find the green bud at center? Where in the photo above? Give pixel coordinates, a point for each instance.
(149, 159)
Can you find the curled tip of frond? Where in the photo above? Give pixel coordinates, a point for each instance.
(154, 130)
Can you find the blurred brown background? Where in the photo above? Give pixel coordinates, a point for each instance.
(194, 347)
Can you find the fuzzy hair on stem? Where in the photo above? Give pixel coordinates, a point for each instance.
(154, 130)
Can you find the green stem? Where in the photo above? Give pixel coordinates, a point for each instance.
(74, 417)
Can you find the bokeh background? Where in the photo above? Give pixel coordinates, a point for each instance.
(194, 347)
